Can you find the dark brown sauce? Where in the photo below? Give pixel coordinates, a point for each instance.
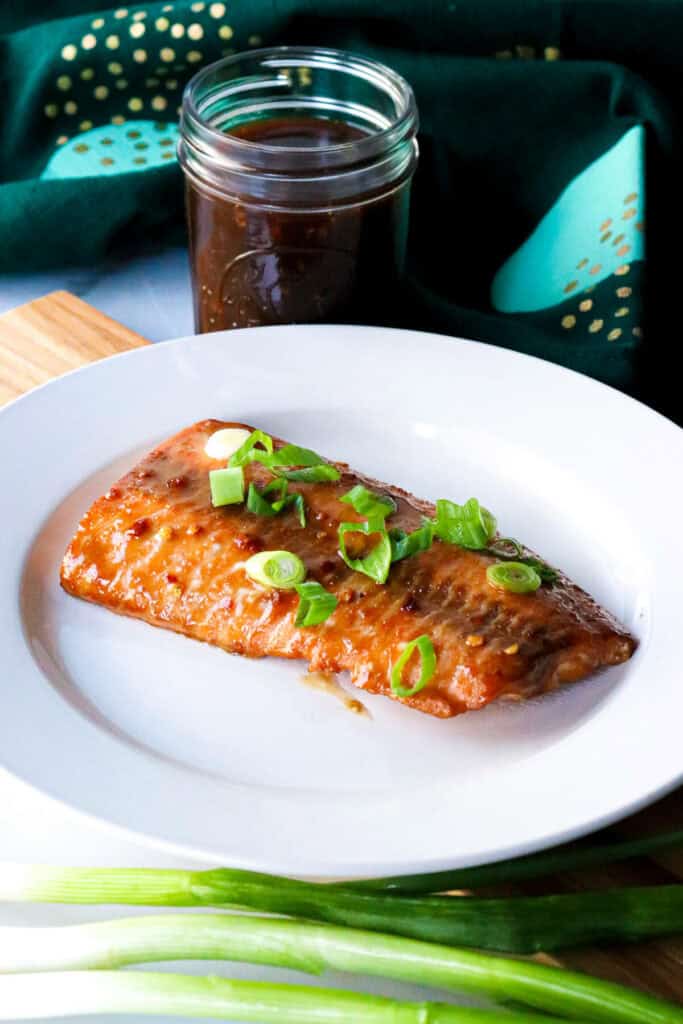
(301, 132)
(254, 266)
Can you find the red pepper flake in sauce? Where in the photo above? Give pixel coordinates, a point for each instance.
(177, 483)
(139, 527)
(245, 542)
(113, 494)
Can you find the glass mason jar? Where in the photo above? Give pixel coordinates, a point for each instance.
(298, 164)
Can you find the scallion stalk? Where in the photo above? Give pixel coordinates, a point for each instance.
(515, 925)
(315, 948)
(520, 869)
(27, 996)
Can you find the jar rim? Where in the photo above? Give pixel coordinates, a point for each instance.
(256, 154)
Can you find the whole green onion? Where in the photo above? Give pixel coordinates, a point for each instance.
(515, 925)
(520, 869)
(26, 996)
(316, 948)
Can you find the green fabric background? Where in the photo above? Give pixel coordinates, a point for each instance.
(515, 101)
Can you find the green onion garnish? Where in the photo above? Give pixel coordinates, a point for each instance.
(514, 576)
(547, 574)
(248, 451)
(293, 455)
(506, 547)
(425, 648)
(404, 545)
(280, 569)
(511, 550)
(227, 486)
(469, 525)
(368, 503)
(377, 563)
(260, 506)
(315, 604)
(310, 474)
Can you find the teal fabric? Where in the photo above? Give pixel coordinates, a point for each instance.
(538, 122)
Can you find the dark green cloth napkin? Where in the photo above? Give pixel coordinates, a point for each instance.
(547, 128)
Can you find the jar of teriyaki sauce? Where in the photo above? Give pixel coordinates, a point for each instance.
(298, 164)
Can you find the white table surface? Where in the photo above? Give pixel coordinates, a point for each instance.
(149, 293)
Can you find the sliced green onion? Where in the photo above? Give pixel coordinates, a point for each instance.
(404, 545)
(514, 576)
(547, 574)
(511, 550)
(315, 604)
(377, 563)
(293, 455)
(310, 474)
(300, 505)
(279, 569)
(260, 506)
(227, 486)
(425, 648)
(368, 503)
(248, 451)
(296, 945)
(468, 526)
(506, 547)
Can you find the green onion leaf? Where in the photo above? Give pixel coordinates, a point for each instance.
(425, 648)
(293, 455)
(257, 503)
(517, 577)
(297, 501)
(506, 547)
(227, 486)
(248, 451)
(469, 525)
(280, 569)
(367, 503)
(310, 474)
(404, 545)
(547, 574)
(377, 563)
(315, 604)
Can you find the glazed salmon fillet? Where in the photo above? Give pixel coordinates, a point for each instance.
(154, 548)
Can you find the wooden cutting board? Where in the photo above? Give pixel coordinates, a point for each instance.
(58, 333)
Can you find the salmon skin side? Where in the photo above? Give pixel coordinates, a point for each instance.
(154, 548)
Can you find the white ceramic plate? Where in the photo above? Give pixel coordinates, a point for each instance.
(237, 762)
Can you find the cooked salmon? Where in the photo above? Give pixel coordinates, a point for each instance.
(154, 548)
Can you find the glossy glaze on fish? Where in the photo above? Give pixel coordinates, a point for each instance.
(154, 548)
